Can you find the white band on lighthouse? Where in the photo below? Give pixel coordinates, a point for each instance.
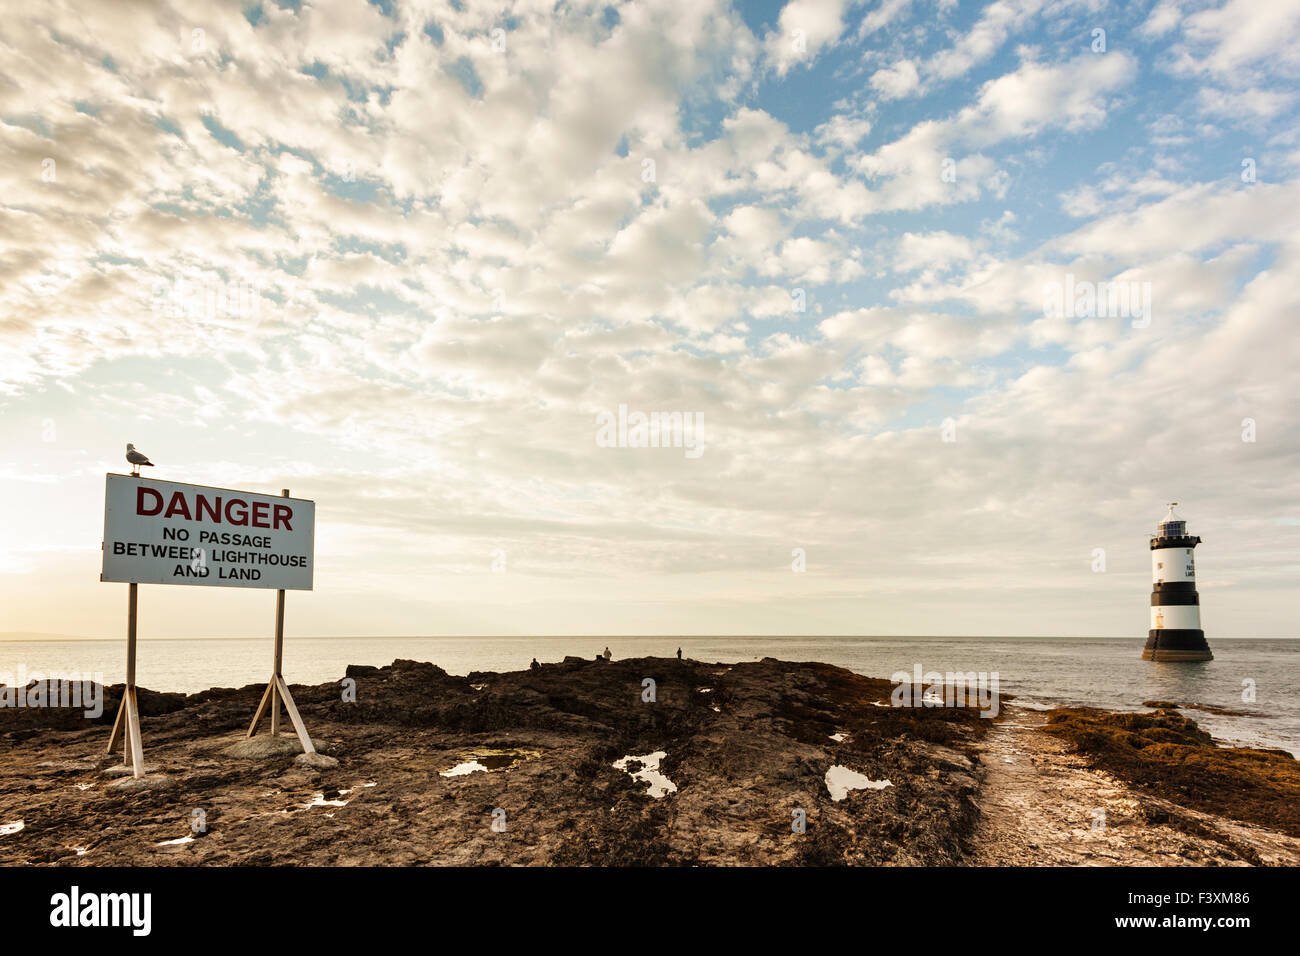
(1176, 617)
(1172, 564)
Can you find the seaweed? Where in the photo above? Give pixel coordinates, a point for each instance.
(1169, 756)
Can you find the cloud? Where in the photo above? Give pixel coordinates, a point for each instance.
(1240, 35)
(934, 250)
(926, 166)
(897, 80)
(1071, 95)
(1246, 105)
(1164, 16)
(997, 21)
(461, 253)
(805, 28)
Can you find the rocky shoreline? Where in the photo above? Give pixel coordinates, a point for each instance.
(579, 762)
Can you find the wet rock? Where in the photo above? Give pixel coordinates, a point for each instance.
(150, 781)
(263, 746)
(116, 770)
(317, 761)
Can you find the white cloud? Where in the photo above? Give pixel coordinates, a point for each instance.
(997, 21)
(897, 80)
(843, 132)
(436, 337)
(1164, 16)
(937, 251)
(1241, 34)
(805, 28)
(1248, 105)
(1071, 95)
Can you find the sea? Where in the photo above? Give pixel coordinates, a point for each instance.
(1254, 678)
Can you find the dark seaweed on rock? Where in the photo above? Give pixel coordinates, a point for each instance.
(1169, 756)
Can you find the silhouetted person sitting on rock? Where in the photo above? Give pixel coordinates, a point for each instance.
(534, 666)
(607, 655)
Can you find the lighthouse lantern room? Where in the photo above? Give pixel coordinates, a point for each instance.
(1175, 633)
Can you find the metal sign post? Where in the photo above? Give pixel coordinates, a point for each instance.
(128, 712)
(276, 688)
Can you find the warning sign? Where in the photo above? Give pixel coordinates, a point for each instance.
(165, 532)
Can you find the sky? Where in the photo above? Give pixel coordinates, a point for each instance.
(404, 258)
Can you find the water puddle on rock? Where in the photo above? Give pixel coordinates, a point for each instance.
(841, 780)
(179, 841)
(489, 759)
(8, 828)
(461, 769)
(648, 772)
(320, 800)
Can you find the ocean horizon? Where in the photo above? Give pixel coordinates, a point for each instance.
(1039, 672)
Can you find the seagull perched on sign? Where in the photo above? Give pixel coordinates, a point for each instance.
(136, 459)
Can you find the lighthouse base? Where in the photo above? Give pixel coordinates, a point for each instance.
(1176, 645)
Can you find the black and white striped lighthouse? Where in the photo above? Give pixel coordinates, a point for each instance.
(1175, 633)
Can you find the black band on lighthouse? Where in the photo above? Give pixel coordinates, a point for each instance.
(1181, 595)
(1176, 644)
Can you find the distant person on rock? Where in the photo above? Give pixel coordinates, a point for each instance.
(534, 666)
(679, 653)
(607, 655)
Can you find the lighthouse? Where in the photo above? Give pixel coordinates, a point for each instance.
(1175, 633)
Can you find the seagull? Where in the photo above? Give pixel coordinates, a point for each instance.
(136, 459)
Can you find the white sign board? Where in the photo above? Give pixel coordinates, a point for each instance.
(165, 532)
